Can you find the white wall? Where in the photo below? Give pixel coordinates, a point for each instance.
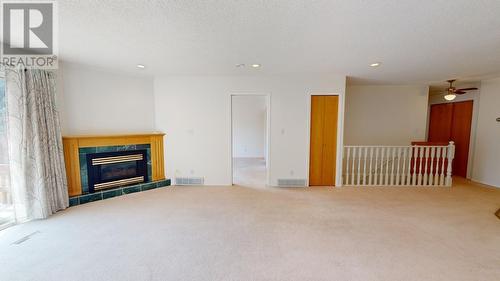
(194, 112)
(249, 126)
(385, 115)
(97, 101)
(486, 167)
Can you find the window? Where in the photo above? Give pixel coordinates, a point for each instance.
(6, 208)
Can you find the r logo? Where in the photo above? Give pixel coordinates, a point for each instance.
(28, 28)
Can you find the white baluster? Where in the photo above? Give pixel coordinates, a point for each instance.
(403, 173)
(370, 170)
(431, 178)
(360, 152)
(443, 156)
(353, 163)
(364, 165)
(410, 156)
(426, 165)
(383, 165)
(348, 153)
(399, 163)
(436, 165)
(386, 165)
(436, 173)
(415, 160)
(420, 165)
(393, 151)
(451, 155)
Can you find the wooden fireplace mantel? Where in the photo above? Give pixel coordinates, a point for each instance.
(72, 144)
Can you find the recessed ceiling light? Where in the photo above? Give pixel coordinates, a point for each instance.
(375, 64)
(255, 65)
(141, 66)
(240, 65)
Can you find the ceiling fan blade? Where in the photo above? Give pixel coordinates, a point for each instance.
(467, 89)
(460, 92)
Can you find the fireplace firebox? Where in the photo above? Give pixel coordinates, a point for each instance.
(113, 169)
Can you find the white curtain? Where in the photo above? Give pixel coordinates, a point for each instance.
(38, 176)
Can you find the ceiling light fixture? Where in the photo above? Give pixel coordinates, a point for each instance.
(240, 65)
(141, 66)
(255, 65)
(375, 64)
(450, 97)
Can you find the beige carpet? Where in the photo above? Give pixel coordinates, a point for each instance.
(236, 233)
(249, 172)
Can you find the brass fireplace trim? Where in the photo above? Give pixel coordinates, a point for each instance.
(116, 159)
(108, 184)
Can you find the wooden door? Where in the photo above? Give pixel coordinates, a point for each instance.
(452, 122)
(440, 122)
(460, 134)
(323, 151)
(316, 150)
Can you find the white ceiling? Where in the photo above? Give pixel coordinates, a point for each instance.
(417, 41)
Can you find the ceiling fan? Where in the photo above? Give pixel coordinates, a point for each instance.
(452, 92)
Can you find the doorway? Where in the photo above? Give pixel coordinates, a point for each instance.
(249, 136)
(323, 144)
(453, 122)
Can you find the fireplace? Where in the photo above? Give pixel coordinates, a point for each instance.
(113, 169)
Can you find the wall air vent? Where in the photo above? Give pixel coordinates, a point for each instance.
(292, 182)
(25, 238)
(189, 181)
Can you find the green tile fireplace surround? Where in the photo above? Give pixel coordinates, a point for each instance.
(82, 153)
(119, 191)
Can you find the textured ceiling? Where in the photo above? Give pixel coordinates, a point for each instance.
(417, 41)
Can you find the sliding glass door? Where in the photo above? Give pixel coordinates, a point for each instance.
(6, 208)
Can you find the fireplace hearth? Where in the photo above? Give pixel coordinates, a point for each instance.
(114, 169)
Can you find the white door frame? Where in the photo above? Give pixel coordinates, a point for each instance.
(268, 131)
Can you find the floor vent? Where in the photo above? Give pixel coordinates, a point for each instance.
(25, 238)
(292, 182)
(189, 181)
